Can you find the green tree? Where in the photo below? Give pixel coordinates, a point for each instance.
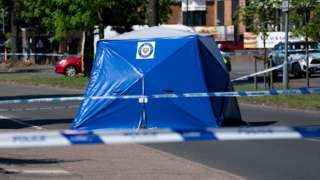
(258, 16)
(164, 10)
(9, 7)
(61, 17)
(305, 18)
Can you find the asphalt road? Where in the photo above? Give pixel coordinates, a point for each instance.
(258, 160)
(56, 115)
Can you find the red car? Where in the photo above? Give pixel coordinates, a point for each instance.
(70, 66)
(230, 46)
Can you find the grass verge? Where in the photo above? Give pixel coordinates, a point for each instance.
(65, 82)
(307, 102)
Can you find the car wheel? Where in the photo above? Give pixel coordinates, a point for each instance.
(296, 70)
(70, 71)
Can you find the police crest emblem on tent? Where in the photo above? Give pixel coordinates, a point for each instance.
(145, 50)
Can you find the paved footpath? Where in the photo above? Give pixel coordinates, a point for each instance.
(130, 161)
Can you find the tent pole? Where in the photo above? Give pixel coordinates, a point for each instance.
(143, 100)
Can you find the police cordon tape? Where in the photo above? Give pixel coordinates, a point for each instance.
(258, 73)
(42, 108)
(37, 100)
(264, 71)
(80, 137)
(165, 96)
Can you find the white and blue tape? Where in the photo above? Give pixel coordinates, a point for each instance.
(258, 73)
(161, 96)
(41, 108)
(73, 137)
(263, 71)
(37, 100)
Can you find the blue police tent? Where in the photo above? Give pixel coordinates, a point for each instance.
(157, 60)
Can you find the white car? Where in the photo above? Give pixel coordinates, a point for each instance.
(297, 57)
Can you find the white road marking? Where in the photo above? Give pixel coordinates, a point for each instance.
(314, 140)
(21, 122)
(59, 107)
(4, 117)
(44, 171)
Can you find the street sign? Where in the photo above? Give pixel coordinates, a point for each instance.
(285, 5)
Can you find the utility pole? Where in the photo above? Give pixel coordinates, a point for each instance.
(187, 13)
(285, 10)
(152, 12)
(13, 32)
(306, 20)
(3, 31)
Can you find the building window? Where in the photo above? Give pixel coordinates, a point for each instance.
(235, 5)
(220, 13)
(194, 18)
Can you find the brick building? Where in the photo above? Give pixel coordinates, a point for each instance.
(216, 14)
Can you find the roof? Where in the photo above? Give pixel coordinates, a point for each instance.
(154, 32)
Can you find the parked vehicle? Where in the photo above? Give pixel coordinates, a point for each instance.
(297, 64)
(70, 66)
(230, 46)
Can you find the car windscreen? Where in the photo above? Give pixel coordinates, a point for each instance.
(302, 45)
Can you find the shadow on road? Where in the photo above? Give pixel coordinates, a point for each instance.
(262, 123)
(43, 122)
(39, 96)
(19, 161)
(20, 123)
(33, 161)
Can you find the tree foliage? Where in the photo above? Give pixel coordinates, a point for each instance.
(63, 16)
(164, 10)
(258, 15)
(60, 17)
(305, 18)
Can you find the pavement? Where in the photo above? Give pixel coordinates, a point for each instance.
(130, 161)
